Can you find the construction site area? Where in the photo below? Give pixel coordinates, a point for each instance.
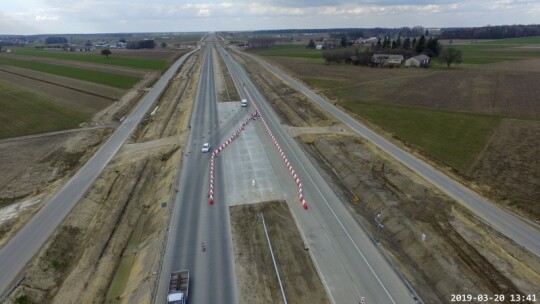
(110, 247)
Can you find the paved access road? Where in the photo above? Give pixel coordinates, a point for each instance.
(25, 244)
(522, 231)
(349, 263)
(194, 220)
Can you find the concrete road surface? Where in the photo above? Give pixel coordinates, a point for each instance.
(26, 243)
(348, 261)
(522, 231)
(194, 220)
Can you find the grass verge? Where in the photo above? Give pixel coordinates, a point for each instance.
(454, 138)
(139, 63)
(109, 79)
(24, 113)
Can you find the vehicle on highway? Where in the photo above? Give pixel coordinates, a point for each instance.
(206, 147)
(178, 287)
(243, 103)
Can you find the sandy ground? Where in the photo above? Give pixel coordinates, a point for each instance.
(255, 272)
(459, 255)
(78, 263)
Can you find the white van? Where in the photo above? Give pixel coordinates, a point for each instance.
(243, 103)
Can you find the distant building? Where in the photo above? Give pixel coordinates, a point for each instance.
(389, 60)
(417, 61)
(366, 40)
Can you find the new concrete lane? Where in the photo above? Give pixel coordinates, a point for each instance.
(26, 243)
(349, 263)
(522, 231)
(194, 220)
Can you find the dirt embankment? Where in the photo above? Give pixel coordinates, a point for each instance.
(255, 272)
(459, 254)
(79, 262)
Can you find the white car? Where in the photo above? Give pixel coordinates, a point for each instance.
(205, 147)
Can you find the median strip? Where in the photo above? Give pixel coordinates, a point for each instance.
(282, 154)
(221, 148)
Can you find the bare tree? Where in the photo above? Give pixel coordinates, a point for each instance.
(106, 52)
(449, 56)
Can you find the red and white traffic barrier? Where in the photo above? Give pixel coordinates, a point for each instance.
(221, 148)
(281, 153)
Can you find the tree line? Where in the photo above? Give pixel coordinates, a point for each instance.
(141, 44)
(492, 32)
(262, 42)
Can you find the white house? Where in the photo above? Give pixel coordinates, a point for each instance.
(417, 61)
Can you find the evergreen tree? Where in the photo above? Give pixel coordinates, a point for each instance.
(433, 47)
(420, 45)
(343, 41)
(407, 44)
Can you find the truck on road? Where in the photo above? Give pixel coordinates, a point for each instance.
(178, 287)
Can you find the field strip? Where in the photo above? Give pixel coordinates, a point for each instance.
(59, 85)
(99, 67)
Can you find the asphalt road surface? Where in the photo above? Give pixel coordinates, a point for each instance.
(25, 244)
(522, 231)
(348, 261)
(194, 220)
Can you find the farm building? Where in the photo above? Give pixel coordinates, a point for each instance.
(417, 61)
(387, 59)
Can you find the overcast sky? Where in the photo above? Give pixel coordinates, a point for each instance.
(98, 16)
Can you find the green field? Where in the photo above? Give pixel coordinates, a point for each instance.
(140, 63)
(109, 79)
(484, 53)
(454, 138)
(492, 51)
(24, 113)
(516, 41)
